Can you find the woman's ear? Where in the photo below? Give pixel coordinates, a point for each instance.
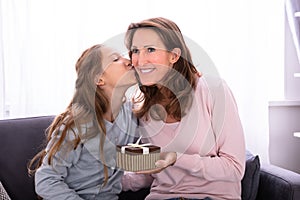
(176, 53)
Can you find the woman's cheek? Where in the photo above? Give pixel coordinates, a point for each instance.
(134, 60)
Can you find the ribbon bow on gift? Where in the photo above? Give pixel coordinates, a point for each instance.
(137, 145)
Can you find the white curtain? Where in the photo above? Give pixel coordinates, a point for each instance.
(42, 39)
(2, 80)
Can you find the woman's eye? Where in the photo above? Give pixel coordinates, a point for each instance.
(134, 51)
(150, 49)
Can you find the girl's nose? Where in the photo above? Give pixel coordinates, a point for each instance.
(129, 65)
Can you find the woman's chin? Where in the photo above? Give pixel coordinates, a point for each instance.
(148, 83)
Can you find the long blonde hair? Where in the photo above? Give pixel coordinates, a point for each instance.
(88, 102)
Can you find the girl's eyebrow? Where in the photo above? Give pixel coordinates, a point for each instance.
(114, 54)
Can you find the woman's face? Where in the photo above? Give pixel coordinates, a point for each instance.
(149, 56)
(118, 71)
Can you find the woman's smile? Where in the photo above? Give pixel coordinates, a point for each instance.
(146, 70)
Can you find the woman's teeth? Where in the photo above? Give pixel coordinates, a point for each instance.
(146, 70)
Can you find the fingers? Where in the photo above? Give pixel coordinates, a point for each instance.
(170, 158)
(166, 159)
(161, 164)
(152, 171)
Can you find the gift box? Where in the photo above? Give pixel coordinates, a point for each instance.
(137, 157)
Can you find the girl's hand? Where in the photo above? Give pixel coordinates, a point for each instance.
(166, 159)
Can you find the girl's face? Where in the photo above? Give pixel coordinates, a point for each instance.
(149, 56)
(118, 71)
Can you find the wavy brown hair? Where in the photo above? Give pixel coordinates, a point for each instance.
(174, 93)
(89, 103)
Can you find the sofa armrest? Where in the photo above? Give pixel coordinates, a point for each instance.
(278, 184)
(20, 140)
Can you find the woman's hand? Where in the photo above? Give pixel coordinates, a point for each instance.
(166, 159)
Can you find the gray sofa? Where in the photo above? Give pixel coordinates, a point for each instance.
(21, 138)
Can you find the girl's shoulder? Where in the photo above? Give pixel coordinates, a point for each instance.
(127, 109)
(71, 133)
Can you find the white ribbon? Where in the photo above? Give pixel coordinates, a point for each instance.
(137, 145)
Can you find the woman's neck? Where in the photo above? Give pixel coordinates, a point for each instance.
(170, 119)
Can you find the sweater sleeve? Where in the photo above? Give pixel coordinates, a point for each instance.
(49, 179)
(227, 161)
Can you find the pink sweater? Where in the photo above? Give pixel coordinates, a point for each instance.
(210, 148)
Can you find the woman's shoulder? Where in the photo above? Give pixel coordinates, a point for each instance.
(211, 83)
(211, 88)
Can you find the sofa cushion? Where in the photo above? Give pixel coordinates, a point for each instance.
(250, 180)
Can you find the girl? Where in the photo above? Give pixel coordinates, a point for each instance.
(79, 160)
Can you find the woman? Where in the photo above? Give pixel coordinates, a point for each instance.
(79, 160)
(185, 112)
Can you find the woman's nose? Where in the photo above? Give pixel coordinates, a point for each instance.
(141, 58)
